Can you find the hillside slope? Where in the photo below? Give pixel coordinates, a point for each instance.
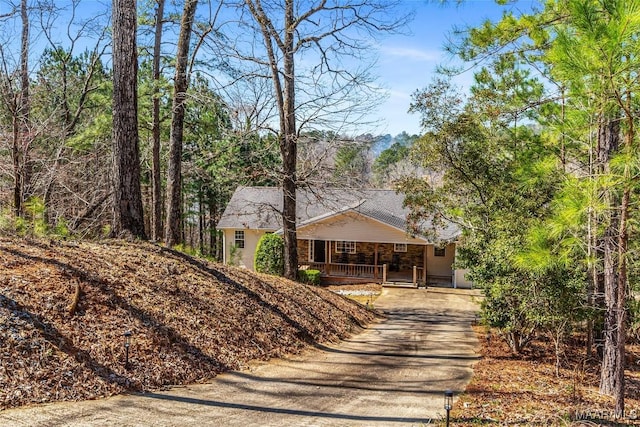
(190, 319)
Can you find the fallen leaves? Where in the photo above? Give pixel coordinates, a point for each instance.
(524, 390)
(190, 319)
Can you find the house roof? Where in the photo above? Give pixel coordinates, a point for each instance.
(260, 207)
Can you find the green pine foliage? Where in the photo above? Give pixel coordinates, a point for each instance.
(36, 224)
(498, 182)
(33, 222)
(539, 168)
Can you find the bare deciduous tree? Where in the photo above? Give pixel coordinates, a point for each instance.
(21, 120)
(332, 93)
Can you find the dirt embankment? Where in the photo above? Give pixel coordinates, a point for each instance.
(190, 319)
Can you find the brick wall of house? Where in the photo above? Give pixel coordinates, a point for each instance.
(385, 253)
(414, 256)
(303, 250)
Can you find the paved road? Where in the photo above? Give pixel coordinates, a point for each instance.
(392, 374)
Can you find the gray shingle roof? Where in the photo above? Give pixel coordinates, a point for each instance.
(259, 208)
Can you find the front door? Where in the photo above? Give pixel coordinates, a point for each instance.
(319, 251)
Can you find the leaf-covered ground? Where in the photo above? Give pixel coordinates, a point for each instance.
(190, 319)
(525, 391)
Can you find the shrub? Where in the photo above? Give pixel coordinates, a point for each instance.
(61, 229)
(35, 211)
(6, 220)
(269, 256)
(33, 223)
(311, 277)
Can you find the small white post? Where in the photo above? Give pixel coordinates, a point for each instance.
(384, 273)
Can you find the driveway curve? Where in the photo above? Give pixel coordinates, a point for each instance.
(394, 373)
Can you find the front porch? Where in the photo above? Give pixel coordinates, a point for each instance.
(359, 262)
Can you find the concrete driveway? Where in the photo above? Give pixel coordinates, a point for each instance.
(392, 374)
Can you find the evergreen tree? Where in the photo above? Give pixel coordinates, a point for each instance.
(587, 50)
(127, 201)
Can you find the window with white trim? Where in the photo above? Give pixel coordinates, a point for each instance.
(311, 250)
(239, 239)
(399, 247)
(439, 251)
(345, 247)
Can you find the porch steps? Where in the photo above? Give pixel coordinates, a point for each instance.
(389, 284)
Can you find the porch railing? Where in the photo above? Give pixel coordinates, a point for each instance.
(378, 272)
(349, 270)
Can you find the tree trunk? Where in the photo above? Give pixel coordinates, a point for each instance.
(623, 247)
(621, 299)
(17, 173)
(21, 132)
(172, 232)
(289, 151)
(608, 379)
(127, 203)
(595, 285)
(25, 103)
(284, 91)
(213, 233)
(201, 221)
(156, 184)
(514, 341)
(612, 372)
(289, 212)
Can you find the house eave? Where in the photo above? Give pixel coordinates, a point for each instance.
(420, 240)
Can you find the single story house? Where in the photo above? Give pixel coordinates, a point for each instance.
(351, 236)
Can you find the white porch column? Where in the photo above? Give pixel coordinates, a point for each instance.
(224, 247)
(426, 247)
(455, 256)
(375, 260)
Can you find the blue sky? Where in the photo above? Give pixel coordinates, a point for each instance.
(408, 62)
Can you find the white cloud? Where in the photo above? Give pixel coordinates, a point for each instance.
(397, 95)
(411, 53)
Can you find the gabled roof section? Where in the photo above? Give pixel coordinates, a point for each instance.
(260, 207)
(253, 207)
(329, 214)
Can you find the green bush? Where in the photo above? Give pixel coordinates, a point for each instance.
(269, 256)
(6, 220)
(311, 277)
(35, 211)
(61, 229)
(33, 223)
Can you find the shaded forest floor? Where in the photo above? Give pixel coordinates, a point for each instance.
(525, 391)
(190, 319)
